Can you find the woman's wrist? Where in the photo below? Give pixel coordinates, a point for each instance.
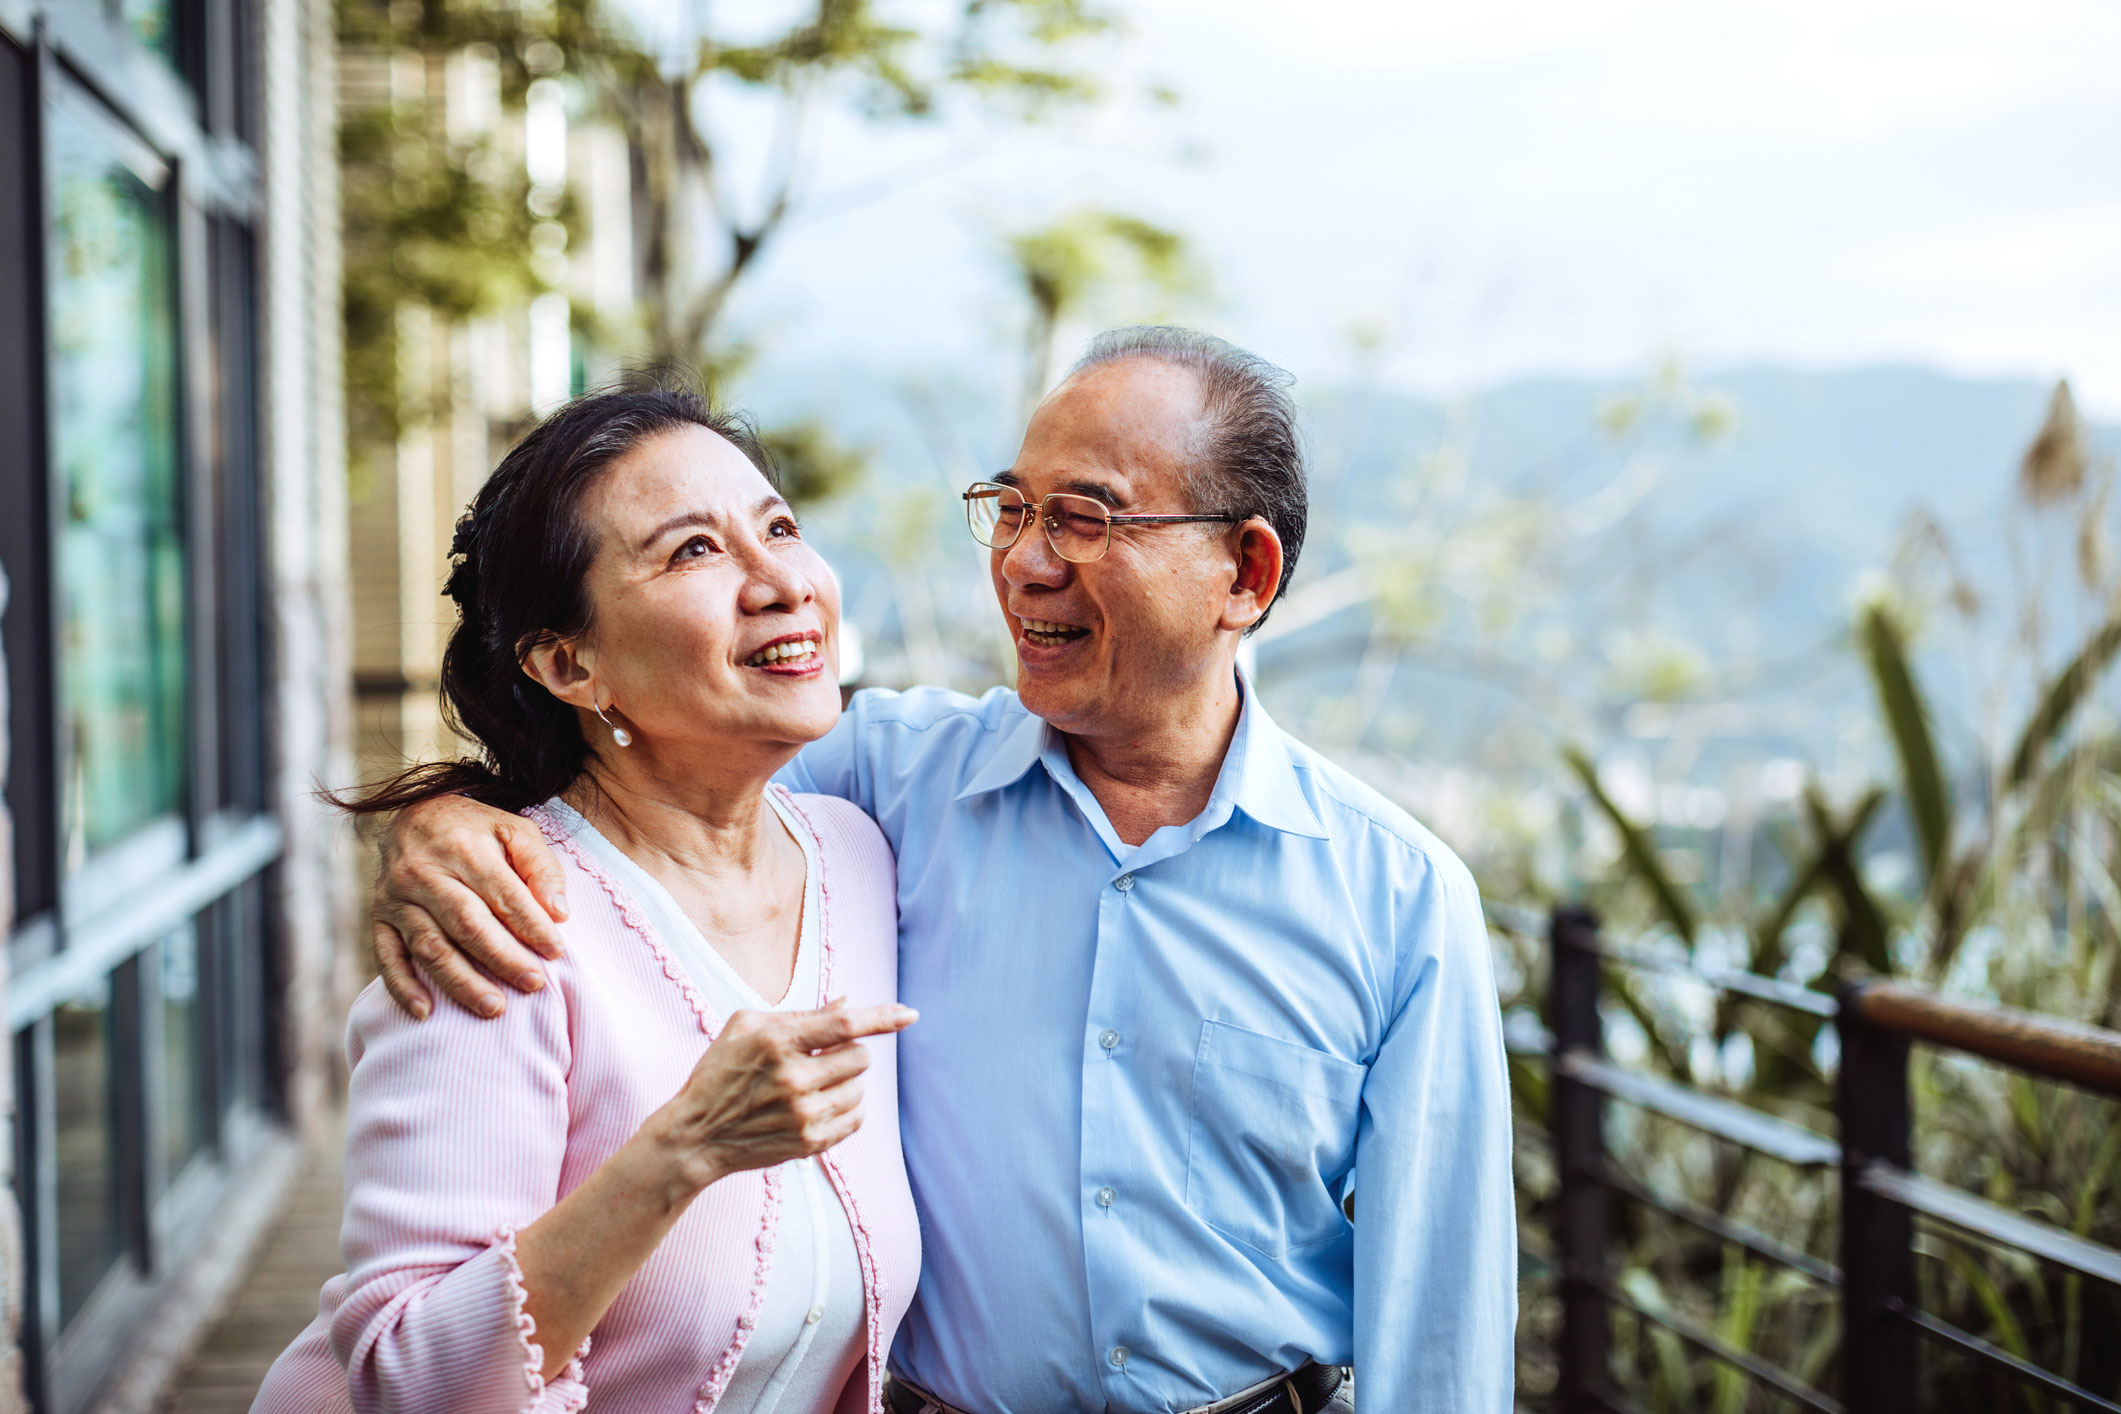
(669, 1162)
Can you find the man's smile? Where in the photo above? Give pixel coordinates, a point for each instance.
(1047, 633)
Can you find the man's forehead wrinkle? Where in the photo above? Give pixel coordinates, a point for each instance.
(1079, 476)
(1123, 432)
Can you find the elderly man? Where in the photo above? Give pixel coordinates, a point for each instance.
(1208, 1097)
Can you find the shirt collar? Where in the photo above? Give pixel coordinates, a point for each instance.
(1257, 775)
(1016, 751)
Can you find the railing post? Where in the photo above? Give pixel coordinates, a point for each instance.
(1878, 1355)
(1578, 1118)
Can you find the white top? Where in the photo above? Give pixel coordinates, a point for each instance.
(810, 1337)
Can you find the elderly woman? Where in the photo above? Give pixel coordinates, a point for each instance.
(651, 1184)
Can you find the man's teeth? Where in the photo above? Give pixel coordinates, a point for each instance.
(782, 653)
(1042, 628)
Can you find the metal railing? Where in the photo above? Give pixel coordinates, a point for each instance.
(1880, 1193)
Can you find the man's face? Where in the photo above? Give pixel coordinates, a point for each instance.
(1095, 642)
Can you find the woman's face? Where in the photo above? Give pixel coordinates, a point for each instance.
(712, 622)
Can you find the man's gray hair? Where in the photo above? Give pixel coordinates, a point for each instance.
(1248, 459)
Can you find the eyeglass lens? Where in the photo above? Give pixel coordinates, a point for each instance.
(1076, 526)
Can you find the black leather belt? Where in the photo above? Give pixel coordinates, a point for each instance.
(1305, 1391)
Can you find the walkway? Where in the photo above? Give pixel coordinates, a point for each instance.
(277, 1300)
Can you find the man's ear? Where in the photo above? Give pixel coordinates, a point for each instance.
(1257, 577)
(562, 668)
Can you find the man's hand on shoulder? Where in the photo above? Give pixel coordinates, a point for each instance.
(463, 883)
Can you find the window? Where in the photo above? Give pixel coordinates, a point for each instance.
(141, 997)
(113, 340)
(83, 1105)
(152, 23)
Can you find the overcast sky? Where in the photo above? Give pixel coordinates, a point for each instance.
(1530, 186)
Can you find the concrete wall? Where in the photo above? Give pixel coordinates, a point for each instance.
(307, 594)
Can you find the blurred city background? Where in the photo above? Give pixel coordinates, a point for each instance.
(1713, 418)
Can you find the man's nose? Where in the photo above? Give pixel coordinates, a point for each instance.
(1031, 559)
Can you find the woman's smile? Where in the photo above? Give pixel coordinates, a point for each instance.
(794, 655)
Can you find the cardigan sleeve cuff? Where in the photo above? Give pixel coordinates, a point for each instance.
(564, 1393)
(462, 1342)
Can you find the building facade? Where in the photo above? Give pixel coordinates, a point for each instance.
(471, 382)
(177, 645)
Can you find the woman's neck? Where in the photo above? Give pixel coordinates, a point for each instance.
(707, 836)
(702, 821)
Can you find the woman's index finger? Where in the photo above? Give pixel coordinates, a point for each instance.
(837, 1024)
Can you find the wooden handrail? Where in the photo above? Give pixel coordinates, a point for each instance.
(2046, 1045)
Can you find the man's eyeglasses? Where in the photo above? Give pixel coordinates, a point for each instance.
(1079, 528)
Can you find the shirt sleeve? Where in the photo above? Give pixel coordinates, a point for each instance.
(1435, 1215)
(832, 764)
(456, 1129)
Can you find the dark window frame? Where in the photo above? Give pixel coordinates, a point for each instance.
(199, 121)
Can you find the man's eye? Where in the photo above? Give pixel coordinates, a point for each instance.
(694, 548)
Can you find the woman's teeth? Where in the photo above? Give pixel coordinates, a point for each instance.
(1042, 631)
(795, 652)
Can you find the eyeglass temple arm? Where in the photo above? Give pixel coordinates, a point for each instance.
(1225, 517)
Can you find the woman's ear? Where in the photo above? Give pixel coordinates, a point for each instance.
(1257, 577)
(562, 669)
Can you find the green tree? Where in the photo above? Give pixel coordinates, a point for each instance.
(427, 217)
(447, 223)
(699, 238)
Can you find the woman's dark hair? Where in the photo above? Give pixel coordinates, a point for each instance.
(518, 566)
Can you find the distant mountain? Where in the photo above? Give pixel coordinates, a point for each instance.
(1748, 546)
(1817, 474)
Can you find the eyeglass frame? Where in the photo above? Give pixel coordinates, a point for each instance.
(1111, 518)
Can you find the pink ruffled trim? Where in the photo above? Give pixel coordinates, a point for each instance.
(629, 912)
(769, 1226)
(872, 1280)
(504, 1242)
(824, 895)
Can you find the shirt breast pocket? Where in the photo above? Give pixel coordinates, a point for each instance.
(1273, 1130)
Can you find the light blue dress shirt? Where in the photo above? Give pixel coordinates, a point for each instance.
(1146, 1076)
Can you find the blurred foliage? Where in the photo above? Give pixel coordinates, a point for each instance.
(1445, 571)
(1092, 259)
(699, 238)
(449, 222)
(811, 461)
(425, 219)
(2015, 898)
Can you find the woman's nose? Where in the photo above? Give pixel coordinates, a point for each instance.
(776, 584)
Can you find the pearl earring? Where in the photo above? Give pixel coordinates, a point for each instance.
(618, 734)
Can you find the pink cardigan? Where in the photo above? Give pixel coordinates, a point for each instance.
(462, 1130)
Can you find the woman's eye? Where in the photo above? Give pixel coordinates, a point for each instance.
(785, 528)
(697, 546)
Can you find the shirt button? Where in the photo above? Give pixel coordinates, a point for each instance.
(1119, 1355)
(1108, 1038)
(1124, 882)
(1105, 1197)
(817, 1313)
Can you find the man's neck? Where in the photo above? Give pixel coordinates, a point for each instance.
(1160, 771)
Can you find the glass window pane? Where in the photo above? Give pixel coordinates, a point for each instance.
(114, 435)
(82, 1122)
(153, 23)
(183, 1133)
